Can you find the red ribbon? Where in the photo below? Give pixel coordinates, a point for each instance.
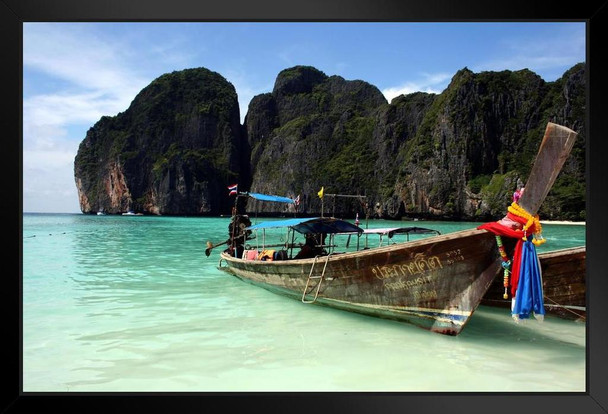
(500, 230)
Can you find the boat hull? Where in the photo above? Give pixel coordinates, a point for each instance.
(434, 283)
(563, 274)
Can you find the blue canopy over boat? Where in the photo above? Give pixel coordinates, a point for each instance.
(324, 225)
(266, 197)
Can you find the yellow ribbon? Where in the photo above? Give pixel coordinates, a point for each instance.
(519, 211)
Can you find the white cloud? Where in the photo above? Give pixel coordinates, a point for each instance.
(98, 81)
(48, 161)
(430, 83)
(76, 55)
(48, 179)
(95, 81)
(65, 108)
(548, 57)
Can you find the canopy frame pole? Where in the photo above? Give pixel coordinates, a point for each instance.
(322, 202)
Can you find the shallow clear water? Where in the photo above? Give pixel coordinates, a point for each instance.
(123, 303)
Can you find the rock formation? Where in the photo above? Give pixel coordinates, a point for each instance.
(456, 155)
(173, 151)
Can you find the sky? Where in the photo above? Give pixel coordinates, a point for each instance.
(75, 73)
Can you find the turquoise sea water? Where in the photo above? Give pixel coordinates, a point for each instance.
(131, 303)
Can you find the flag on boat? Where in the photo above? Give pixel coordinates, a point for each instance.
(320, 193)
(233, 189)
(297, 200)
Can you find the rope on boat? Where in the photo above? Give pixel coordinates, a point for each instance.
(565, 308)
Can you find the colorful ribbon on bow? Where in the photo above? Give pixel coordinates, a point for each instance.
(526, 275)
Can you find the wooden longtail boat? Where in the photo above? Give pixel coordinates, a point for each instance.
(435, 283)
(563, 275)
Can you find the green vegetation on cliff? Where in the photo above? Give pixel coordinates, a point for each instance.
(175, 147)
(459, 154)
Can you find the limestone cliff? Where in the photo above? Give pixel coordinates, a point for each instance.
(455, 155)
(300, 136)
(478, 140)
(173, 151)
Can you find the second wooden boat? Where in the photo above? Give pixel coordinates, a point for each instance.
(563, 276)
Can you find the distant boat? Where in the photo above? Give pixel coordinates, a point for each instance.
(132, 213)
(435, 283)
(101, 213)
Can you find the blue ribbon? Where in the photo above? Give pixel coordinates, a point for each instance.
(529, 296)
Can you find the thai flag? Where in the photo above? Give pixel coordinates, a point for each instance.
(233, 189)
(297, 200)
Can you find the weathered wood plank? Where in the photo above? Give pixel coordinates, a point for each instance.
(553, 152)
